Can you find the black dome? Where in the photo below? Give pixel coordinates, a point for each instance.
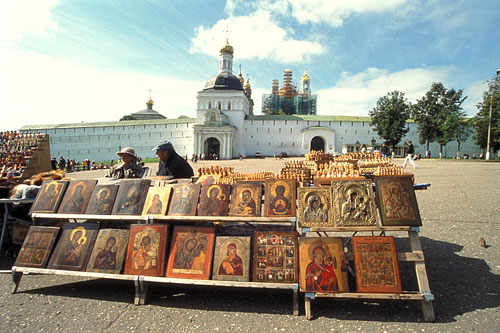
(224, 81)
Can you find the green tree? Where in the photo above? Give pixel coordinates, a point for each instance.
(183, 117)
(389, 117)
(452, 119)
(481, 119)
(426, 113)
(127, 117)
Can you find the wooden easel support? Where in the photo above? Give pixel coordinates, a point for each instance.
(16, 278)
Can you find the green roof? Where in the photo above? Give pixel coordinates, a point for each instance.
(313, 118)
(111, 123)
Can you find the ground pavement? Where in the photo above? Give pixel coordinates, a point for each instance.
(461, 206)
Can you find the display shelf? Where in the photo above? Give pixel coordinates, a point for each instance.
(423, 295)
(90, 217)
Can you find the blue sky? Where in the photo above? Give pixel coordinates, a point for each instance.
(77, 60)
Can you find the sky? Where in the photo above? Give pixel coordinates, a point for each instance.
(72, 61)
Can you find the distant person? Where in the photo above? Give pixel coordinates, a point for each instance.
(409, 155)
(474, 156)
(171, 164)
(53, 163)
(363, 148)
(384, 150)
(62, 163)
(128, 167)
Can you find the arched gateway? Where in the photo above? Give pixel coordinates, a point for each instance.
(317, 143)
(212, 147)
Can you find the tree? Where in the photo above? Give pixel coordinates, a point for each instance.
(428, 114)
(453, 123)
(127, 117)
(389, 117)
(481, 119)
(182, 117)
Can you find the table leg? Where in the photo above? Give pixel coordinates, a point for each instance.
(144, 290)
(295, 302)
(308, 308)
(137, 291)
(16, 278)
(4, 226)
(428, 310)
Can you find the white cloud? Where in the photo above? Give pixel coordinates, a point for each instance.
(335, 12)
(25, 17)
(255, 36)
(357, 94)
(474, 93)
(38, 89)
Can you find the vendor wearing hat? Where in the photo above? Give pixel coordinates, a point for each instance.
(171, 163)
(128, 167)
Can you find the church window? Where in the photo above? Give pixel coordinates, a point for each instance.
(280, 130)
(355, 132)
(352, 123)
(291, 129)
(229, 106)
(268, 131)
(246, 130)
(209, 105)
(340, 124)
(269, 143)
(319, 123)
(345, 132)
(224, 64)
(212, 116)
(329, 123)
(219, 105)
(308, 123)
(274, 122)
(363, 124)
(257, 129)
(285, 122)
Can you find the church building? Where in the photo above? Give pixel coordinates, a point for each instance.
(226, 126)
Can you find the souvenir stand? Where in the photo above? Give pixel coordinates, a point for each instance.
(273, 236)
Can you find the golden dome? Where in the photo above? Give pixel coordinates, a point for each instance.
(150, 102)
(305, 77)
(247, 85)
(240, 77)
(227, 48)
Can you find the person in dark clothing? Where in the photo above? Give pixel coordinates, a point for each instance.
(62, 163)
(171, 163)
(53, 163)
(384, 150)
(409, 157)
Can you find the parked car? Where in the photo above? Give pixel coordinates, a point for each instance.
(258, 154)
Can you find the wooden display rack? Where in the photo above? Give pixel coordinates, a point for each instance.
(141, 282)
(416, 256)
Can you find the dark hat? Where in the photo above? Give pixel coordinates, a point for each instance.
(164, 145)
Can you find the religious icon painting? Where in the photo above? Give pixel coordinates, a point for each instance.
(397, 201)
(49, 196)
(323, 265)
(191, 253)
(131, 196)
(214, 200)
(231, 258)
(157, 200)
(354, 203)
(246, 199)
(109, 251)
(184, 200)
(73, 249)
(102, 199)
(279, 197)
(275, 257)
(37, 247)
(376, 265)
(77, 197)
(146, 250)
(315, 207)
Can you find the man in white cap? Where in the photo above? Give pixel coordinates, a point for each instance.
(171, 163)
(128, 167)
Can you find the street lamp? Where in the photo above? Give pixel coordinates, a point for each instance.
(489, 124)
